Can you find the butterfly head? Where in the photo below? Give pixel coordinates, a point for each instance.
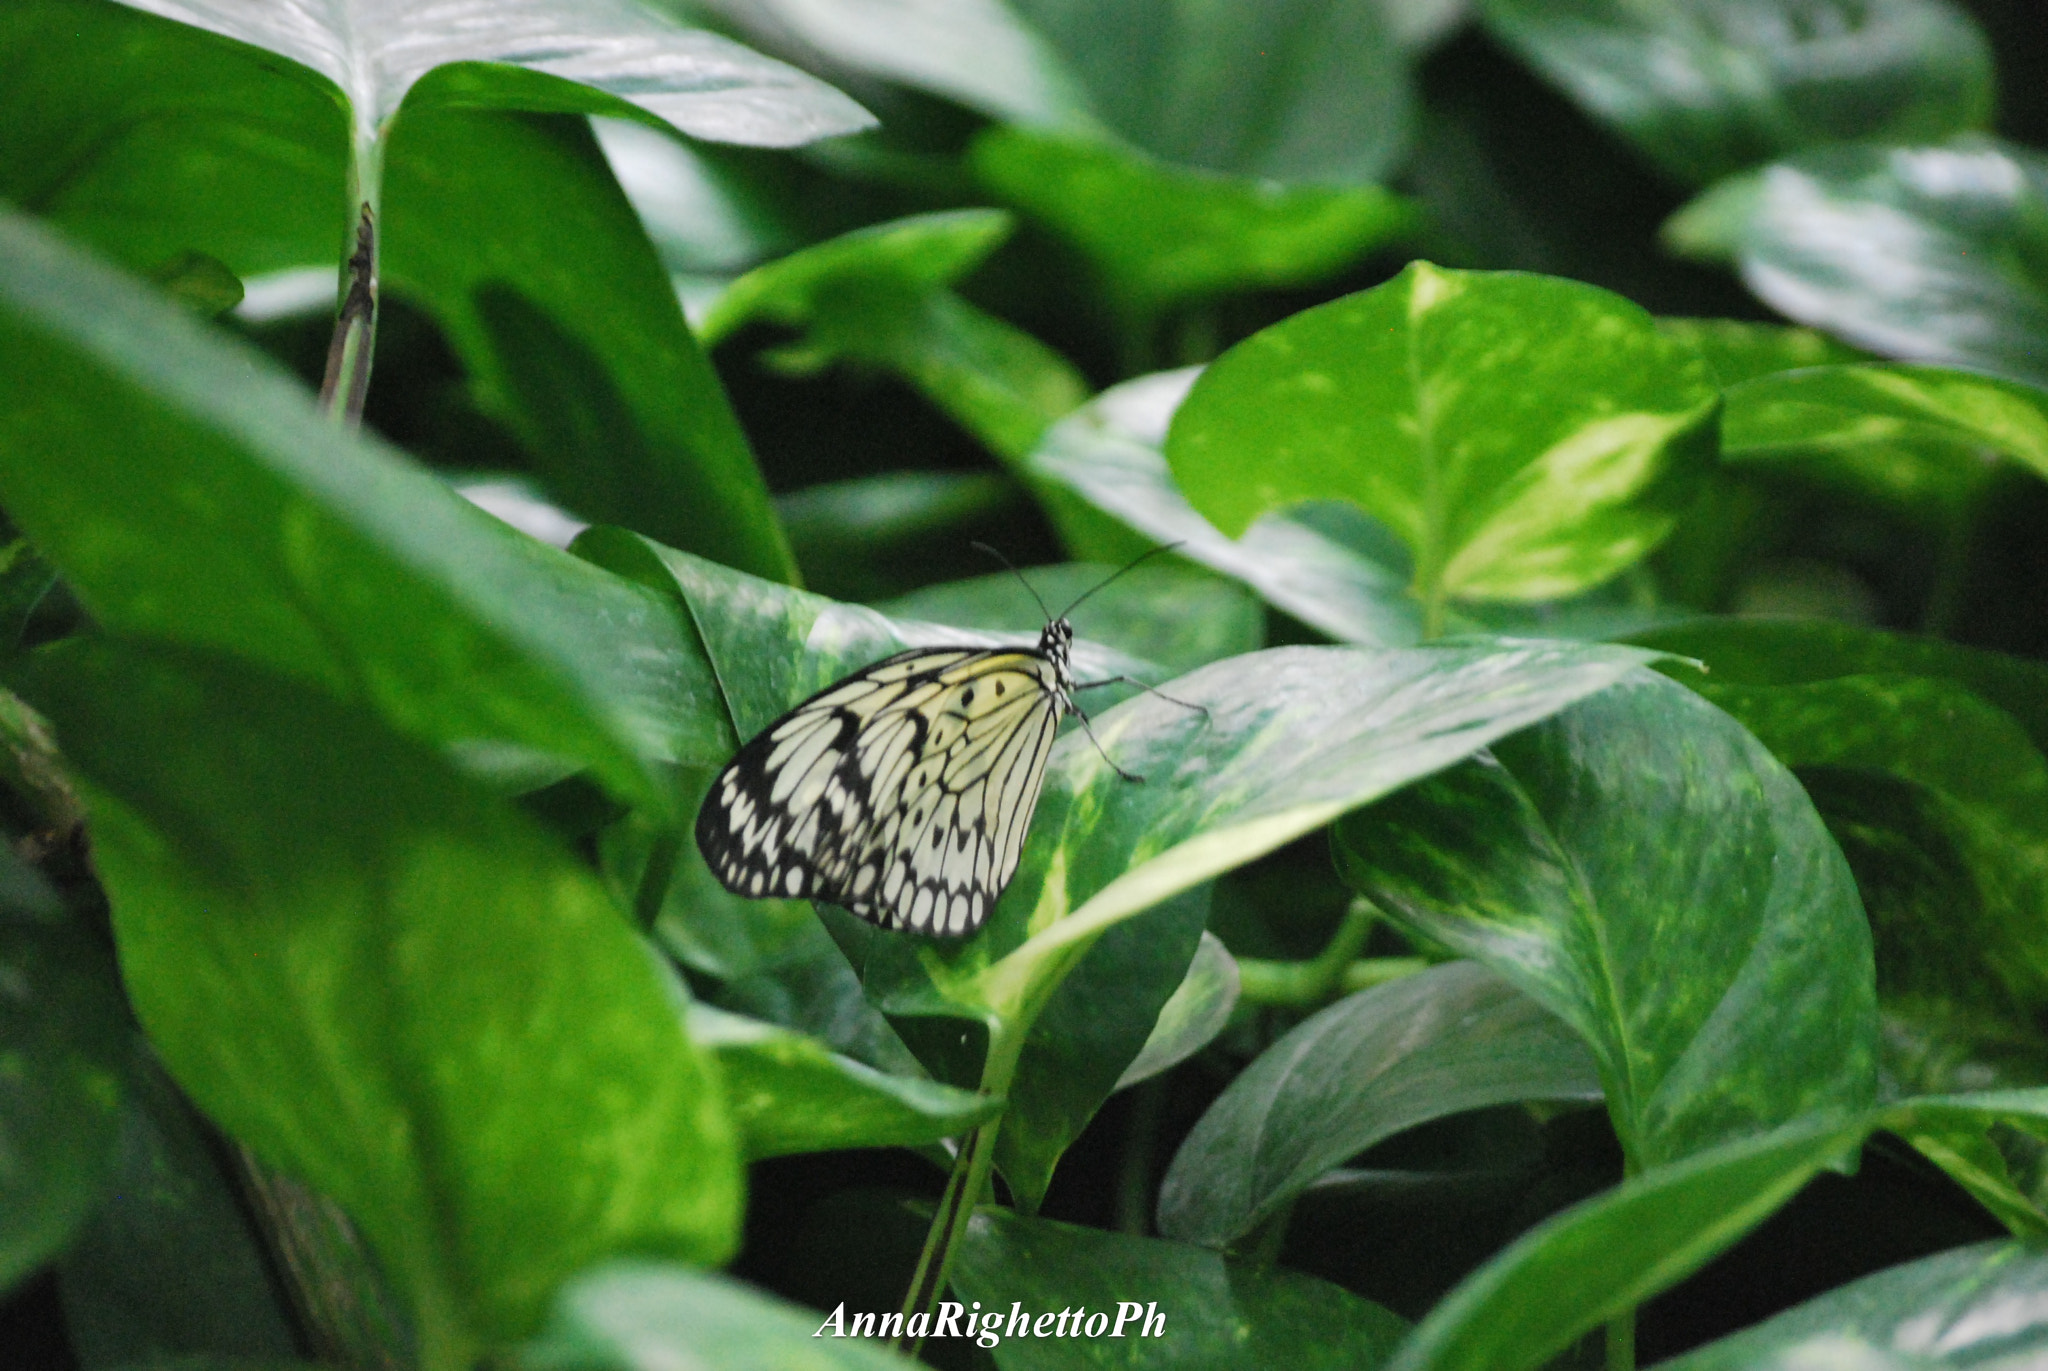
(1056, 645)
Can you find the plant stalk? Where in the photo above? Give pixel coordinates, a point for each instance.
(1621, 1342)
(964, 1190)
(347, 382)
(1309, 984)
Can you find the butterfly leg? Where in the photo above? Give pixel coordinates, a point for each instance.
(1131, 680)
(1083, 720)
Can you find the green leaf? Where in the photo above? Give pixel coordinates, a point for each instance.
(1218, 1313)
(1109, 454)
(1159, 612)
(1986, 1140)
(142, 451)
(1526, 436)
(643, 1317)
(811, 988)
(920, 253)
(787, 1092)
(1094, 1025)
(878, 296)
(386, 982)
(1161, 233)
(170, 1266)
(1608, 1254)
(1922, 439)
(1645, 870)
(1974, 1306)
(1926, 759)
(510, 230)
(1192, 1016)
(1445, 1040)
(1764, 652)
(1930, 254)
(200, 283)
(150, 139)
(708, 210)
(601, 57)
(1301, 90)
(1707, 87)
(64, 1036)
(973, 52)
(1739, 351)
(1980, 802)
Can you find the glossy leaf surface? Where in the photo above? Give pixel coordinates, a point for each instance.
(384, 981)
(1975, 1306)
(1526, 436)
(532, 54)
(1219, 1313)
(1445, 1040)
(1110, 454)
(1926, 253)
(787, 1092)
(639, 1316)
(1739, 351)
(1645, 870)
(1925, 439)
(142, 450)
(1606, 1255)
(1709, 87)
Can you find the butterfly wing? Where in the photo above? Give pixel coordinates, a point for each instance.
(902, 792)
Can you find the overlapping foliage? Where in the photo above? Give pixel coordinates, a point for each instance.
(1515, 923)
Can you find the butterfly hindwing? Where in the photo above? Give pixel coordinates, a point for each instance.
(902, 792)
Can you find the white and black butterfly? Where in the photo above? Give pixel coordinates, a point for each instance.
(902, 792)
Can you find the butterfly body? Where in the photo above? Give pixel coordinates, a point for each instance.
(901, 792)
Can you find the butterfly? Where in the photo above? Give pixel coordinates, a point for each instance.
(903, 791)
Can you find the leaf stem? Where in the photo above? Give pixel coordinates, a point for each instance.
(964, 1190)
(1331, 972)
(347, 382)
(1134, 1177)
(1621, 1342)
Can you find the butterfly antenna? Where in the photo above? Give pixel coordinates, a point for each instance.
(997, 554)
(1127, 566)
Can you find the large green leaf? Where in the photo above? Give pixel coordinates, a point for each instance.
(1452, 1038)
(1978, 1307)
(1109, 454)
(788, 1092)
(1527, 437)
(511, 231)
(590, 57)
(147, 139)
(1298, 90)
(1708, 87)
(385, 981)
(1645, 870)
(1160, 234)
(1602, 1257)
(643, 1317)
(1931, 254)
(1922, 439)
(1217, 1313)
(188, 490)
(63, 1038)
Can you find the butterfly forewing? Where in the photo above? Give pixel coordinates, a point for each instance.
(902, 792)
